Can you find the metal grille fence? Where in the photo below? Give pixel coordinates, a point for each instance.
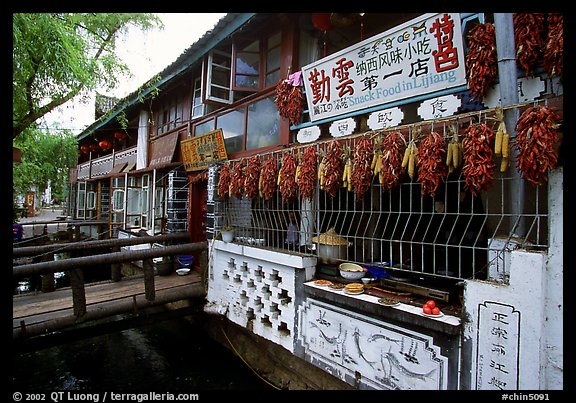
(451, 235)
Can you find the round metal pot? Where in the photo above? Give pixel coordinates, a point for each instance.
(331, 254)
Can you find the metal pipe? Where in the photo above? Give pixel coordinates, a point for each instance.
(508, 79)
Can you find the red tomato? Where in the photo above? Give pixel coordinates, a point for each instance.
(426, 309)
(430, 303)
(435, 311)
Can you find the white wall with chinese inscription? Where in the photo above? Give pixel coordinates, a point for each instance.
(514, 330)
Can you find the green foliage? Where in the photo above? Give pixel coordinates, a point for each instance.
(58, 55)
(45, 158)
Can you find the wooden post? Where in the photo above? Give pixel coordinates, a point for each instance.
(116, 268)
(47, 279)
(149, 288)
(78, 292)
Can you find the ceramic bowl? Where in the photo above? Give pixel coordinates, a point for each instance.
(351, 271)
(182, 272)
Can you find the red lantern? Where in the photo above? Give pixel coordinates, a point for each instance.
(84, 149)
(105, 145)
(321, 21)
(119, 135)
(93, 147)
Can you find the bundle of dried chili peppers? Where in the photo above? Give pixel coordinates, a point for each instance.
(306, 179)
(528, 29)
(237, 179)
(361, 177)
(481, 59)
(224, 182)
(289, 101)
(332, 168)
(287, 177)
(390, 171)
(431, 163)
(479, 166)
(536, 138)
(554, 49)
(252, 177)
(268, 179)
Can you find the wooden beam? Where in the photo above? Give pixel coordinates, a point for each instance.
(97, 244)
(103, 259)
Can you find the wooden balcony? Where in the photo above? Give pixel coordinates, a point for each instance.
(98, 167)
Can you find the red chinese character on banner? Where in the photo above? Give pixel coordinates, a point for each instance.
(341, 72)
(446, 57)
(320, 86)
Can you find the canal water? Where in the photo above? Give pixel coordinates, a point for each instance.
(167, 356)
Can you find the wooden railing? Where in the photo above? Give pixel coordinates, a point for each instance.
(75, 265)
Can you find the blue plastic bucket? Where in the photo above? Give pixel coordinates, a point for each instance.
(185, 261)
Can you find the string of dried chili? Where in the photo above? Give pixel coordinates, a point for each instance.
(268, 178)
(252, 177)
(528, 29)
(535, 139)
(554, 49)
(431, 164)
(481, 59)
(224, 182)
(287, 183)
(307, 177)
(333, 168)
(361, 172)
(392, 155)
(479, 166)
(237, 180)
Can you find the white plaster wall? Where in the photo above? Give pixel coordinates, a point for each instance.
(553, 351)
(245, 281)
(506, 343)
(534, 298)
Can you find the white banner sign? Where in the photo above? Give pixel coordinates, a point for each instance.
(308, 134)
(342, 127)
(440, 107)
(421, 56)
(386, 118)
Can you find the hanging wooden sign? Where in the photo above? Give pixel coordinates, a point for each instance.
(199, 151)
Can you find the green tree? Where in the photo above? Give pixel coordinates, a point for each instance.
(57, 56)
(45, 158)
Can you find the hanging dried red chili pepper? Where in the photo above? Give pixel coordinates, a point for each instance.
(287, 178)
(268, 179)
(332, 169)
(289, 101)
(431, 164)
(479, 166)
(536, 138)
(252, 177)
(224, 182)
(361, 177)
(237, 180)
(481, 59)
(388, 165)
(306, 179)
(528, 29)
(554, 48)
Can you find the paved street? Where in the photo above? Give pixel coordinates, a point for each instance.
(45, 214)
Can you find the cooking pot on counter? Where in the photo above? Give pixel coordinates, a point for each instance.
(332, 248)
